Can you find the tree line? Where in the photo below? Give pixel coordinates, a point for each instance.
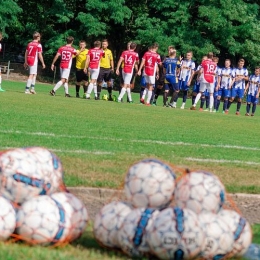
(229, 28)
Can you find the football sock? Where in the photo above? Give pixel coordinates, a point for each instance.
(193, 99)
(165, 97)
(207, 98)
(185, 94)
(77, 89)
(229, 104)
(66, 88)
(211, 102)
(217, 105)
(122, 93)
(0, 80)
(85, 87)
(128, 90)
(225, 104)
(144, 93)
(202, 101)
(98, 90)
(32, 87)
(253, 108)
(157, 93)
(119, 89)
(109, 89)
(149, 96)
(95, 89)
(152, 97)
(197, 99)
(28, 84)
(34, 80)
(238, 106)
(57, 86)
(90, 88)
(215, 102)
(141, 92)
(248, 106)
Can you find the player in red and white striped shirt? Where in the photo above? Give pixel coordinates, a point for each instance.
(66, 53)
(130, 58)
(150, 61)
(32, 53)
(93, 65)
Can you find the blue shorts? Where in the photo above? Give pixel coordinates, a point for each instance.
(206, 93)
(143, 82)
(215, 94)
(237, 92)
(222, 92)
(183, 85)
(196, 88)
(252, 99)
(173, 87)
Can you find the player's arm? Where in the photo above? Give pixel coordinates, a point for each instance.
(41, 59)
(54, 60)
(157, 72)
(118, 65)
(141, 66)
(246, 88)
(258, 92)
(86, 64)
(191, 77)
(25, 59)
(231, 83)
(112, 63)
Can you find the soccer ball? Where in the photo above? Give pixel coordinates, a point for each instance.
(105, 97)
(108, 221)
(75, 212)
(133, 233)
(149, 183)
(7, 219)
(200, 192)
(219, 239)
(42, 220)
(28, 172)
(176, 233)
(241, 230)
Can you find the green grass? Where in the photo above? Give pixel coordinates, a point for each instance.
(97, 141)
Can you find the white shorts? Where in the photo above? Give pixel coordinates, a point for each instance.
(208, 86)
(150, 79)
(127, 77)
(94, 73)
(33, 69)
(64, 73)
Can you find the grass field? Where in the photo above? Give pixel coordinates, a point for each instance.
(97, 141)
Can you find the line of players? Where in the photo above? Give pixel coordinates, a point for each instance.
(178, 73)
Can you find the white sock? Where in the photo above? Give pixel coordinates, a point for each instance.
(128, 90)
(95, 89)
(66, 88)
(197, 99)
(0, 79)
(144, 93)
(58, 85)
(90, 88)
(29, 83)
(34, 80)
(211, 102)
(183, 104)
(122, 93)
(150, 93)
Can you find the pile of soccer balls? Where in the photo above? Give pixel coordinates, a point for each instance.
(168, 219)
(34, 204)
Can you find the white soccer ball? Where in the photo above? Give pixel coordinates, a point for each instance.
(29, 172)
(133, 233)
(7, 219)
(240, 229)
(200, 192)
(149, 183)
(176, 233)
(42, 220)
(108, 221)
(75, 212)
(218, 236)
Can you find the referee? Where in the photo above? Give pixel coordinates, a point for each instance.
(80, 64)
(106, 69)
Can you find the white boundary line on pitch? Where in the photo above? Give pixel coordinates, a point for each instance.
(69, 151)
(220, 161)
(134, 141)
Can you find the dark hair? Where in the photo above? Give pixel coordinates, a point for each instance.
(69, 39)
(133, 45)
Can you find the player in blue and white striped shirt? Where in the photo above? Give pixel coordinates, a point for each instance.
(224, 88)
(240, 75)
(253, 87)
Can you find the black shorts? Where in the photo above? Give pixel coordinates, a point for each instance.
(104, 74)
(80, 75)
(121, 77)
